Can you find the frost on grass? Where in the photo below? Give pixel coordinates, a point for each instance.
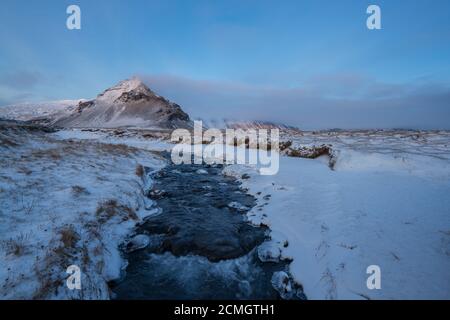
(65, 202)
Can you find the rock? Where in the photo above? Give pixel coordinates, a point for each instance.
(286, 287)
(156, 194)
(238, 206)
(245, 289)
(282, 284)
(312, 152)
(285, 145)
(138, 242)
(269, 252)
(245, 176)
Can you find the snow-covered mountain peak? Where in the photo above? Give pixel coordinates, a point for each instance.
(128, 103)
(131, 88)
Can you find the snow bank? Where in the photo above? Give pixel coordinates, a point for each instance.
(67, 202)
(377, 207)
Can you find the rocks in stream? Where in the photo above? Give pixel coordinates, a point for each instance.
(245, 176)
(202, 245)
(237, 205)
(156, 194)
(200, 214)
(138, 242)
(208, 232)
(287, 287)
(201, 171)
(269, 252)
(143, 241)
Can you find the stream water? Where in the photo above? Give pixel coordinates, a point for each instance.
(199, 247)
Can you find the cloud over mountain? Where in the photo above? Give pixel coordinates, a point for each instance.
(326, 101)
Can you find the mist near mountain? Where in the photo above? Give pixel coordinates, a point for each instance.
(333, 101)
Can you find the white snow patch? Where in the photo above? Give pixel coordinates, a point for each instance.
(67, 202)
(378, 207)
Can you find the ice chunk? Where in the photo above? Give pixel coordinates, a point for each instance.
(238, 206)
(269, 252)
(138, 242)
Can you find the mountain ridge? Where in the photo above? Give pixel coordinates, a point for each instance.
(130, 103)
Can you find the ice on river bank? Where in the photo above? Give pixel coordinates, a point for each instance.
(386, 203)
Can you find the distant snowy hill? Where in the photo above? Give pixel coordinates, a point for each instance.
(47, 112)
(128, 104)
(245, 125)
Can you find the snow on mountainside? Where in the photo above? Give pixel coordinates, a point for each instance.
(50, 111)
(128, 104)
(245, 125)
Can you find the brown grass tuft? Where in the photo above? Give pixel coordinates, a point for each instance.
(48, 153)
(139, 170)
(15, 246)
(79, 190)
(69, 237)
(111, 208)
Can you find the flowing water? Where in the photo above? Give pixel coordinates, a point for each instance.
(200, 247)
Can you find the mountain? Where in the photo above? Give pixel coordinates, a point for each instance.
(45, 112)
(268, 125)
(130, 103)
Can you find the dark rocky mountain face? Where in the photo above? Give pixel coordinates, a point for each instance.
(128, 104)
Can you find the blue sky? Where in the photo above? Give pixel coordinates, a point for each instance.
(308, 63)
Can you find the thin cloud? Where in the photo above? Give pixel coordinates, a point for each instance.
(21, 80)
(329, 101)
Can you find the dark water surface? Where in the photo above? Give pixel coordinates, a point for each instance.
(200, 247)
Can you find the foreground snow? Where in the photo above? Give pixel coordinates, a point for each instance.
(73, 196)
(62, 203)
(378, 207)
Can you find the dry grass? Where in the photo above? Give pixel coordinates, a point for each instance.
(139, 171)
(15, 246)
(56, 259)
(85, 256)
(111, 208)
(47, 153)
(47, 286)
(78, 148)
(27, 205)
(79, 190)
(24, 170)
(7, 141)
(69, 237)
(117, 149)
(47, 271)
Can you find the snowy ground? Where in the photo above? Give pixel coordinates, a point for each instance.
(28, 111)
(68, 198)
(66, 202)
(386, 203)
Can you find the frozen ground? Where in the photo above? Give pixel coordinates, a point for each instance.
(68, 198)
(386, 203)
(66, 202)
(51, 110)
